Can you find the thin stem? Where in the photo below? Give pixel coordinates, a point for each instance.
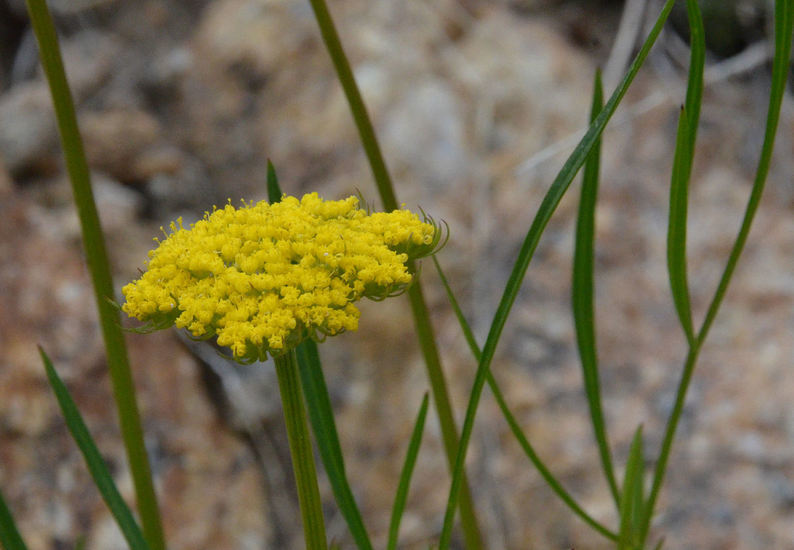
(449, 431)
(421, 315)
(669, 435)
(99, 267)
(301, 451)
(360, 115)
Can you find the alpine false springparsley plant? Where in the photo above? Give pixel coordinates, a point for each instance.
(264, 277)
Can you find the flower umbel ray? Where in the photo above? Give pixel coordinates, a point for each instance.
(263, 277)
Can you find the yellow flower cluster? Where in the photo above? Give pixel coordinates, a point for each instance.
(263, 277)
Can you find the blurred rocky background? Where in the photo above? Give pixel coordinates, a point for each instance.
(477, 104)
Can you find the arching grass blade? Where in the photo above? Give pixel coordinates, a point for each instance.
(686, 136)
(96, 465)
(582, 296)
(676, 227)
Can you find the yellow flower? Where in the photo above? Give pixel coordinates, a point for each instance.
(263, 277)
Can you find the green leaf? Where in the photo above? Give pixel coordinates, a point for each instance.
(676, 227)
(10, 539)
(405, 476)
(682, 172)
(274, 193)
(631, 500)
(544, 471)
(547, 208)
(96, 465)
(321, 417)
(697, 61)
(582, 296)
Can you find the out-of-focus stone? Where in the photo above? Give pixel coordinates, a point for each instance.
(116, 139)
(28, 135)
(5, 178)
(257, 36)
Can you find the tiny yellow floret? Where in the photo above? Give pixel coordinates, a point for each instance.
(263, 277)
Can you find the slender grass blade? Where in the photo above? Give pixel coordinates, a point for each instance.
(96, 465)
(631, 504)
(405, 476)
(547, 208)
(582, 296)
(10, 539)
(682, 170)
(697, 62)
(676, 227)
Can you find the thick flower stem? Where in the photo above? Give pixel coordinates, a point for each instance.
(301, 451)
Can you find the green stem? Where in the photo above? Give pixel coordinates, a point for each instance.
(449, 431)
(99, 267)
(360, 115)
(301, 451)
(424, 329)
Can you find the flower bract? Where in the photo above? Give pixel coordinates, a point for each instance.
(263, 277)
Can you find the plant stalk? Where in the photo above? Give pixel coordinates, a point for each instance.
(99, 267)
(301, 451)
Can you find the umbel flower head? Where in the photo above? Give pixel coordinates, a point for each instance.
(263, 277)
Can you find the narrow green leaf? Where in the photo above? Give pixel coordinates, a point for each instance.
(659, 544)
(676, 227)
(784, 25)
(582, 296)
(528, 449)
(321, 417)
(274, 193)
(96, 465)
(697, 61)
(468, 334)
(682, 171)
(631, 504)
(99, 267)
(780, 71)
(301, 453)
(10, 539)
(547, 208)
(405, 476)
